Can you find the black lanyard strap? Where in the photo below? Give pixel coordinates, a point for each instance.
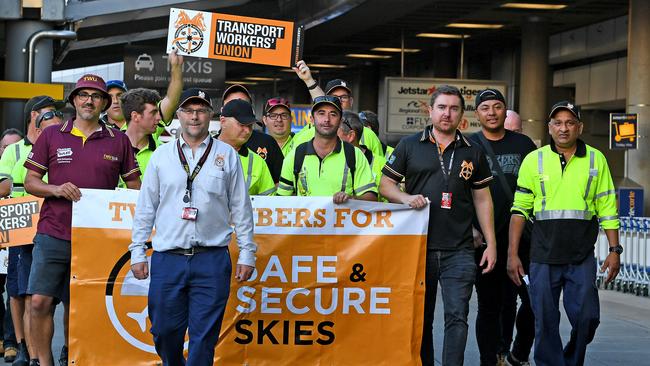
(197, 168)
(446, 172)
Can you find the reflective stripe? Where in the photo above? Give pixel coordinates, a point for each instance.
(345, 179)
(18, 189)
(523, 210)
(564, 214)
(367, 186)
(285, 187)
(540, 170)
(3, 175)
(592, 172)
(603, 194)
(17, 152)
(249, 171)
(268, 192)
(606, 218)
(524, 190)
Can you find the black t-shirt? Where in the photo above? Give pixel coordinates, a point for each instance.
(509, 152)
(266, 147)
(416, 159)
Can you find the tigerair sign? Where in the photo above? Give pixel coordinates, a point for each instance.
(408, 100)
(329, 277)
(234, 38)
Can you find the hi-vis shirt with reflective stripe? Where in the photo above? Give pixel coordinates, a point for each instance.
(580, 191)
(256, 173)
(11, 166)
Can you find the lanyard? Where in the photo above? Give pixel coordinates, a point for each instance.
(446, 172)
(195, 172)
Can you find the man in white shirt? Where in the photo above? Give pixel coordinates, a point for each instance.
(192, 191)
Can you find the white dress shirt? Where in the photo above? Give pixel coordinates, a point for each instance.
(218, 192)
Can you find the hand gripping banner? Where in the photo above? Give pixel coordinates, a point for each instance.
(330, 281)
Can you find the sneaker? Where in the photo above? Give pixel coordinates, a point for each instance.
(10, 354)
(35, 362)
(23, 356)
(63, 358)
(501, 359)
(512, 361)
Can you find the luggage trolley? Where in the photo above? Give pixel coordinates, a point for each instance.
(645, 255)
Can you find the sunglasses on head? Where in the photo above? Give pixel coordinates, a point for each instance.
(276, 101)
(47, 116)
(327, 98)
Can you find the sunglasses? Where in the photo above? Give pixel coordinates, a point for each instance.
(327, 98)
(48, 116)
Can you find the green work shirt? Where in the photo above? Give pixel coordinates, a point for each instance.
(368, 138)
(568, 199)
(256, 173)
(11, 166)
(377, 163)
(143, 156)
(288, 145)
(327, 176)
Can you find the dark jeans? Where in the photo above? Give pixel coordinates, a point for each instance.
(188, 293)
(497, 310)
(456, 271)
(581, 304)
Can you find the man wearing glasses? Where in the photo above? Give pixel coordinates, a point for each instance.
(277, 119)
(82, 153)
(326, 166)
(40, 113)
(192, 191)
(237, 119)
(340, 89)
(567, 185)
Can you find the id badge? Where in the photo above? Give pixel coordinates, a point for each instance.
(445, 201)
(190, 213)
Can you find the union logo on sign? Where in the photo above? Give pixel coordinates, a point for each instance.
(189, 32)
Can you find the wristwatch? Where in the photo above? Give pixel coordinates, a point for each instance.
(617, 249)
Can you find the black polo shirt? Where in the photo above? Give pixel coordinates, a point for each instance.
(266, 147)
(416, 159)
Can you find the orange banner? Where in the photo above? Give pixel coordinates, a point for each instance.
(234, 38)
(18, 220)
(335, 289)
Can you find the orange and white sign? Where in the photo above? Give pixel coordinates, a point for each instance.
(18, 220)
(329, 280)
(234, 38)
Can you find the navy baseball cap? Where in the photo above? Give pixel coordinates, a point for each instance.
(235, 88)
(337, 83)
(240, 110)
(489, 94)
(566, 105)
(327, 99)
(195, 94)
(39, 102)
(116, 84)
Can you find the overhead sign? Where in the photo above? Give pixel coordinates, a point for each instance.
(329, 279)
(18, 220)
(234, 38)
(407, 101)
(623, 131)
(300, 116)
(148, 67)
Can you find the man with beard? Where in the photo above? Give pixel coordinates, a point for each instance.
(444, 170)
(497, 295)
(82, 153)
(348, 172)
(40, 112)
(277, 119)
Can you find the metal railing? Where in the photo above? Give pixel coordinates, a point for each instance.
(634, 276)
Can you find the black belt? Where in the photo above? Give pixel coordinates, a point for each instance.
(192, 250)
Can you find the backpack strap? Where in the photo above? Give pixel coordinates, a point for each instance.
(351, 161)
(299, 158)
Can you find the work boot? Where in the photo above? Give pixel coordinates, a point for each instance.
(63, 358)
(23, 356)
(10, 354)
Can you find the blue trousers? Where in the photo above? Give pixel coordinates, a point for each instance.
(578, 282)
(188, 293)
(456, 272)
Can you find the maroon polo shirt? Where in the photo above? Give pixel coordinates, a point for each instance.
(98, 163)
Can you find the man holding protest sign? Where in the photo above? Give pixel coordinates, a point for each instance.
(83, 153)
(454, 186)
(40, 113)
(192, 191)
